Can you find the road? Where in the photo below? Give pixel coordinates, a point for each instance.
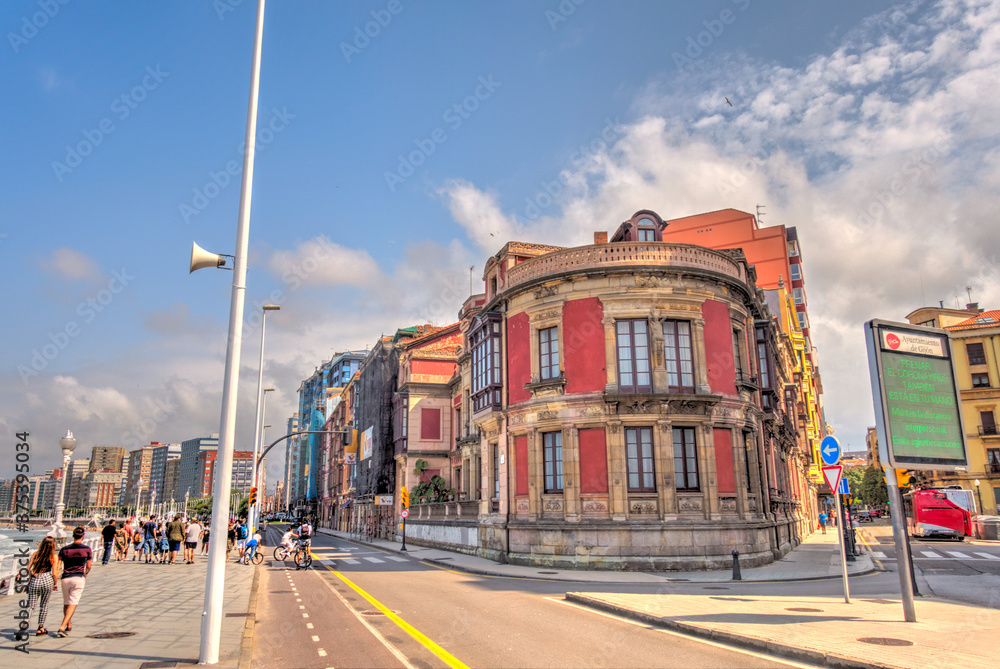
(363, 607)
(966, 571)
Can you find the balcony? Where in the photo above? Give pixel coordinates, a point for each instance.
(746, 381)
(988, 431)
(624, 254)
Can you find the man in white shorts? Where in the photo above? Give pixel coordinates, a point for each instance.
(76, 559)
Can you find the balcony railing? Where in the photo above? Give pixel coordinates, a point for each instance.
(993, 468)
(988, 431)
(624, 254)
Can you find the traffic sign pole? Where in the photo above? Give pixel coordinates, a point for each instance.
(832, 476)
(903, 566)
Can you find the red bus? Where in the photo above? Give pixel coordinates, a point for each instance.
(939, 512)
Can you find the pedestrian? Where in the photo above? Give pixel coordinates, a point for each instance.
(136, 543)
(163, 544)
(242, 534)
(822, 521)
(121, 543)
(204, 540)
(191, 535)
(43, 570)
(149, 536)
(76, 559)
(230, 539)
(108, 534)
(175, 535)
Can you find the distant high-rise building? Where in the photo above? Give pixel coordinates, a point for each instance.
(192, 473)
(291, 459)
(107, 458)
(157, 471)
(140, 465)
(77, 470)
(171, 477)
(242, 473)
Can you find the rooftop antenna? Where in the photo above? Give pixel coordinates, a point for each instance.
(968, 290)
(471, 267)
(760, 213)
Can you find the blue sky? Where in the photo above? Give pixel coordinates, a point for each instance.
(620, 106)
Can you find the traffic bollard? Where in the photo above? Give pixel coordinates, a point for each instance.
(736, 566)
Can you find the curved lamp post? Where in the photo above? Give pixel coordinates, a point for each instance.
(67, 444)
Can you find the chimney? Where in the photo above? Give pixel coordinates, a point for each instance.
(600, 237)
(973, 307)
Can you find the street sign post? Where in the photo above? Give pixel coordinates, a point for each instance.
(918, 416)
(832, 476)
(829, 449)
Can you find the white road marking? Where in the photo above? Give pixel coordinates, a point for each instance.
(300, 606)
(350, 561)
(398, 558)
(960, 556)
(297, 599)
(309, 626)
(375, 560)
(932, 554)
(305, 615)
(988, 556)
(315, 638)
(322, 653)
(878, 554)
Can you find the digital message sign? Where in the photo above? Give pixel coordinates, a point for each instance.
(918, 408)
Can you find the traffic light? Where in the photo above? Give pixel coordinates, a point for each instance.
(404, 497)
(905, 478)
(253, 496)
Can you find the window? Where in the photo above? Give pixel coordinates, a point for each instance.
(496, 471)
(987, 423)
(796, 271)
(993, 461)
(737, 358)
(685, 459)
(553, 461)
(484, 340)
(762, 358)
(639, 456)
(981, 380)
(802, 319)
(799, 296)
(793, 248)
(977, 356)
(633, 356)
(548, 350)
(677, 352)
(646, 231)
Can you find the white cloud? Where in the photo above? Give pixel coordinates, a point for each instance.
(319, 262)
(73, 265)
(884, 154)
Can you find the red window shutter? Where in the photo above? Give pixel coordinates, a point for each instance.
(430, 424)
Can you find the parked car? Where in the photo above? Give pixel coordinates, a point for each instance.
(865, 516)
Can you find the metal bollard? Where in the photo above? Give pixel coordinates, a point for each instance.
(736, 566)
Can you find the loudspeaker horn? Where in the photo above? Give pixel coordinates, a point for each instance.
(200, 258)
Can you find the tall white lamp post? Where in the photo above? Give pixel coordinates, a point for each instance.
(67, 444)
(259, 418)
(211, 621)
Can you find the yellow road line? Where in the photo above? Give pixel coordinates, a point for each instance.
(419, 636)
(868, 546)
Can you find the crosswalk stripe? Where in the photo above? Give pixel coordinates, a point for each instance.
(988, 556)
(375, 560)
(329, 563)
(960, 556)
(351, 561)
(931, 554)
(878, 554)
(397, 558)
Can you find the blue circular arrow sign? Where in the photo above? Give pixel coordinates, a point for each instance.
(829, 449)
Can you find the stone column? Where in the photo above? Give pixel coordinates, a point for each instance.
(698, 353)
(536, 472)
(749, 440)
(571, 473)
(709, 474)
(663, 454)
(611, 355)
(617, 484)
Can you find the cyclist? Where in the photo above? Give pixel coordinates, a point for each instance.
(304, 537)
(252, 545)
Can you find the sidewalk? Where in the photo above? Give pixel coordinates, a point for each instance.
(816, 558)
(867, 633)
(159, 606)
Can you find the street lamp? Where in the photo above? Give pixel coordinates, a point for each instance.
(259, 418)
(215, 586)
(67, 444)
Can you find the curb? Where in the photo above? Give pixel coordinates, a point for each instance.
(745, 641)
(486, 572)
(246, 645)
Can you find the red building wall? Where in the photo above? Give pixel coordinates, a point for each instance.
(719, 347)
(593, 462)
(724, 462)
(518, 358)
(443, 368)
(521, 464)
(583, 345)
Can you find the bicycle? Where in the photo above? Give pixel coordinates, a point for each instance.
(282, 553)
(300, 554)
(256, 558)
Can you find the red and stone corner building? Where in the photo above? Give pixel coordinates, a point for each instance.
(607, 409)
